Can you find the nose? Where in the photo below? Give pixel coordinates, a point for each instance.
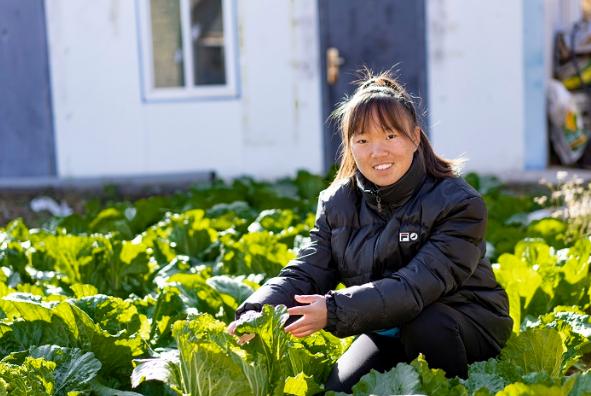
(378, 149)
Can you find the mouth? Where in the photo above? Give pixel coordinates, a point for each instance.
(382, 167)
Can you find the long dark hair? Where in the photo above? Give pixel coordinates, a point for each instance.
(383, 96)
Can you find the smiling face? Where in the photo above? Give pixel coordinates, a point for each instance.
(382, 153)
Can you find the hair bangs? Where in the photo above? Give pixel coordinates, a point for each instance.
(386, 110)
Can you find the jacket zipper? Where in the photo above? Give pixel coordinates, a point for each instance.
(377, 265)
(380, 206)
(379, 201)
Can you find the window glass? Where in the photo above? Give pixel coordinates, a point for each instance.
(188, 49)
(167, 46)
(207, 35)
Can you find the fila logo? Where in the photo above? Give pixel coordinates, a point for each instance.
(408, 236)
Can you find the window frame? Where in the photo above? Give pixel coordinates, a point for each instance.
(190, 90)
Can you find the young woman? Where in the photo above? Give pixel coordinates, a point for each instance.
(405, 235)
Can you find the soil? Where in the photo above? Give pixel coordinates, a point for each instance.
(17, 204)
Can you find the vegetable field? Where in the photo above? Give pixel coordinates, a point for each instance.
(134, 298)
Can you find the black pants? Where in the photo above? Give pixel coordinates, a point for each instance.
(445, 336)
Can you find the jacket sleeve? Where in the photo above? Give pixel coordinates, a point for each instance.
(442, 264)
(312, 272)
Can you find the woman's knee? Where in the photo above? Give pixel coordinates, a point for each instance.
(433, 323)
(436, 334)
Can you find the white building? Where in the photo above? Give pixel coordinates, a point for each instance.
(112, 89)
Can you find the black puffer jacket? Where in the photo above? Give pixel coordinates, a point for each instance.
(397, 249)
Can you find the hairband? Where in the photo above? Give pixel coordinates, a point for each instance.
(389, 86)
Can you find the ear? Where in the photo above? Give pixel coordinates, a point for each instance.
(417, 135)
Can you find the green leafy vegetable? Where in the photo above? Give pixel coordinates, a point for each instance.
(208, 356)
(301, 385)
(271, 342)
(401, 380)
(492, 375)
(433, 381)
(536, 350)
(35, 324)
(166, 368)
(73, 369)
(521, 389)
(582, 385)
(33, 377)
(257, 252)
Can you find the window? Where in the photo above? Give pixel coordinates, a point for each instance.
(188, 48)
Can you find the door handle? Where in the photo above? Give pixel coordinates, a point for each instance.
(333, 63)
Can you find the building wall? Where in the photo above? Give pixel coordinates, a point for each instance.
(476, 82)
(104, 128)
(484, 100)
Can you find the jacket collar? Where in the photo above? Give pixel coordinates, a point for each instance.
(397, 194)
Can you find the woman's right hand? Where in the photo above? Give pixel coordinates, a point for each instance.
(243, 338)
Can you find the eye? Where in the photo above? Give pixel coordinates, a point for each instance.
(361, 141)
(390, 136)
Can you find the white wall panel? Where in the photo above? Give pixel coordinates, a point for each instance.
(476, 82)
(104, 128)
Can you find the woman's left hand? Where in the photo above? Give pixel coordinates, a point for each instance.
(314, 315)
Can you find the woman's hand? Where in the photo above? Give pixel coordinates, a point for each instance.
(244, 337)
(315, 316)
